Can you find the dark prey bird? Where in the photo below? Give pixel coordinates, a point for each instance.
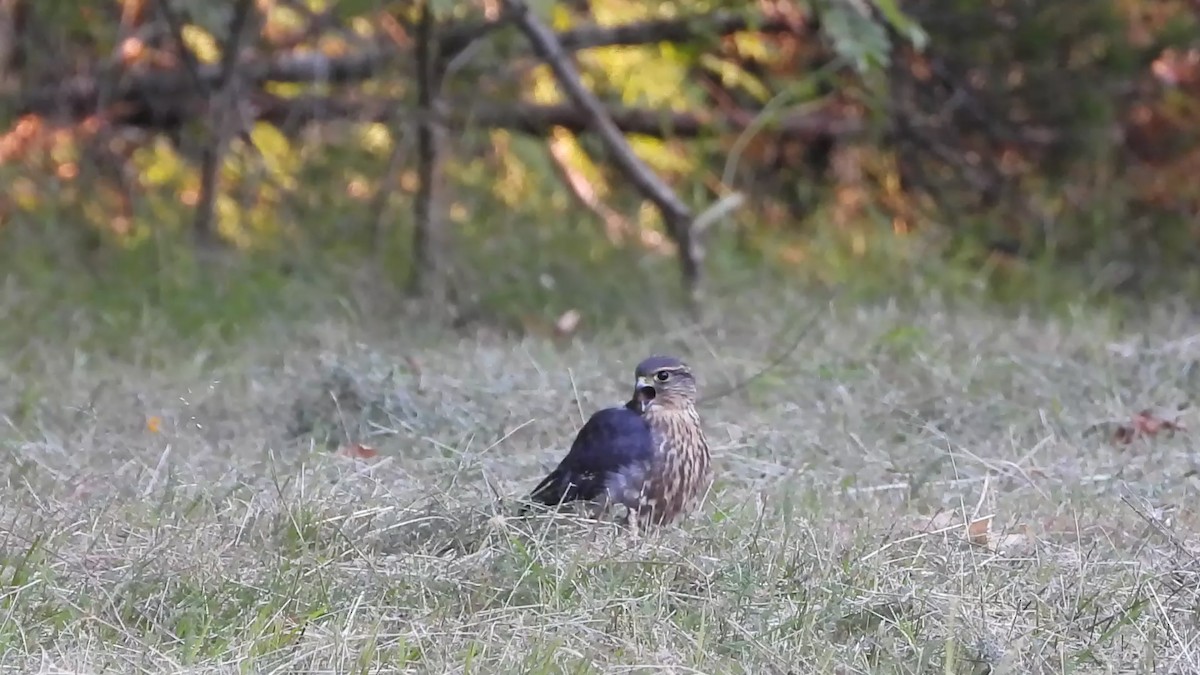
(649, 455)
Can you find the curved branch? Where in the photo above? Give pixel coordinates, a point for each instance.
(677, 215)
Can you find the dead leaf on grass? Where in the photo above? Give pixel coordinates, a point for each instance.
(999, 542)
(1146, 423)
(358, 451)
(978, 532)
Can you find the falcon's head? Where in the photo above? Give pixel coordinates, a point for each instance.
(663, 382)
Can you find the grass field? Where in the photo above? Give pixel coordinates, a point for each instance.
(909, 490)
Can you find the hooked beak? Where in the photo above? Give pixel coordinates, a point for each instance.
(644, 392)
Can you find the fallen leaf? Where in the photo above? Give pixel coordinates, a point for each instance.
(1146, 424)
(979, 530)
(358, 451)
(568, 322)
(1010, 543)
(154, 424)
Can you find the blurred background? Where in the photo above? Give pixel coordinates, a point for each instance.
(202, 164)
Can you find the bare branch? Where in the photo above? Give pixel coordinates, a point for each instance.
(237, 25)
(723, 207)
(379, 205)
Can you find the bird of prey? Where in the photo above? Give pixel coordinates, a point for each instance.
(649, 455)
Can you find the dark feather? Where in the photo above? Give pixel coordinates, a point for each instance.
(612, 442)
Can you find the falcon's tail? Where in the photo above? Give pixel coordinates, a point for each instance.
(552, 490)
(563, 485)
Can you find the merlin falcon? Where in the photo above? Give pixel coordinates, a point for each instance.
(649, 455)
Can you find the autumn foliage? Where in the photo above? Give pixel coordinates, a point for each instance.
(1019, 127)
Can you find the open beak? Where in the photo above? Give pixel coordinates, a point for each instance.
(644, 392)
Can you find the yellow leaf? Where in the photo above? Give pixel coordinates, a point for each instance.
(154, 424)
(376, 138)
(276, 151)
(560, 17)
(202, 43)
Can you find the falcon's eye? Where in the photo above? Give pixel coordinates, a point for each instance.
(662, 375)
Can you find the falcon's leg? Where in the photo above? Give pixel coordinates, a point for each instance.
(633, 522)
(597, 508)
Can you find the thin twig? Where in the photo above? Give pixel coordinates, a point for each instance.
(723, 207)
(221, 105)
(772, 364)
(401, 142)
(426, 235)
(1157, 525)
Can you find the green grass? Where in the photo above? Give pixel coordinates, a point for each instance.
(232, 540)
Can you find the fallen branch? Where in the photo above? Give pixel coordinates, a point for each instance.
(78, 97)
(291, 115)
(539, 120)
(677, 215)
(677, 29)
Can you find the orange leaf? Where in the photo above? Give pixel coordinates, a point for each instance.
(978, 531)
(358, 451)
(154, 424)
(1145, 423)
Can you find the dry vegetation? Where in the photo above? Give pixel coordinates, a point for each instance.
(194, 518)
